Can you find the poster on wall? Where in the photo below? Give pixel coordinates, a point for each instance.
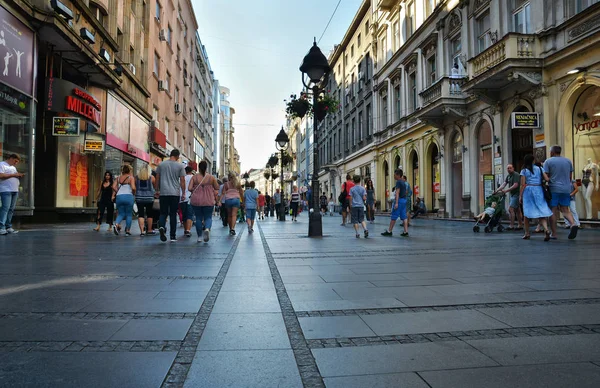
(78, 175)
(488, 185)
(17, 53)
(65, 126)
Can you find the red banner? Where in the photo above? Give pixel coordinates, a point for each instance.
(78, 176)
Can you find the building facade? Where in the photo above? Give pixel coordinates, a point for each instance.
(203, 108)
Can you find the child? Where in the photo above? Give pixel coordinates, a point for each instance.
(358, 195)
(488, 211)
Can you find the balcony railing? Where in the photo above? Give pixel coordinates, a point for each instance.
(445, 87)
(511, 46)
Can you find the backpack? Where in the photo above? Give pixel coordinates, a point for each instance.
(343, 195)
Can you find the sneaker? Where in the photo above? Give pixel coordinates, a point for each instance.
(3, 232)
(153, 233)
(366, 233)
(249, 229)
(127, 234)
(386, 233)
(342, 224)
(199, 239)
(357, 235)
(572, 234)
(11, 231)
(206, 235)
(231, 232)
(187, 233)
(163, 236)
(173, 239)
(404, 234)
(115, 230)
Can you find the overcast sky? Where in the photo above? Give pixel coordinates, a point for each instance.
(255, 49)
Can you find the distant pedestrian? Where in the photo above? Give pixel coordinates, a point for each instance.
(185, 208)
(251, 204)
(345, 199)
(277, 200)
(170, 181)
(532, 196)
(231, 197)
(294, 203)
(144, 198)
(261, 206)
(331, 205)
(419, 208)
(512, 183)
(9, 192)
(323, 202)
(398, 206)
(560, 172)
(222, 208)
(203, 189)
(573, 206)
(370, 201)
(408, 196)
(105, 203)
(124, 191)
(358, 195)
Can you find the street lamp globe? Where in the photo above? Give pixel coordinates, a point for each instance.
(315, 64)
(282, 140)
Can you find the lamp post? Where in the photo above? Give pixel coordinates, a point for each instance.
(272, 163)
(317, 69)
(281, 142)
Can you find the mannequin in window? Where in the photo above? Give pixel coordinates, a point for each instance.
(590, 183)
(454, 75)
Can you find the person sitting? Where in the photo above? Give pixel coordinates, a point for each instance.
(419, 208)
(489, 211)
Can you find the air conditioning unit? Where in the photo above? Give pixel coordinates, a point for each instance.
(161, 85)
(162, 35)
(155, 124)
(132, 68)
(186, 82)
(177, 108)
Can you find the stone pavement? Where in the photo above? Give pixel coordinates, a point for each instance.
(442, 308)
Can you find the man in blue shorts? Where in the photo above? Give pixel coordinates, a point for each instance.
(399, 205)
(560, 172)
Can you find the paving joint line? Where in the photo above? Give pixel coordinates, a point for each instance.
(469, 335)
(90, 346)
(185, 355)
(95, 316)
(115, 277)
(399, 310)
(305, 361)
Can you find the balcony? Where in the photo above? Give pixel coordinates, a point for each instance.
(512, 58)
(386, 5)
(444, 99)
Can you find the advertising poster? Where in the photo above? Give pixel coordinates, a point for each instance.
(65, 126)
(78, 175)
(488, 185)
(16, 53)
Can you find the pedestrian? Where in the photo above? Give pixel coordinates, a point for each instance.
(105, 203)
(331, 205)
(261, 206)
(267, 205)
(9, 192)
(512, 183)
(294, 203)
(251, 204)
(185, 208)
(222, 208)
(408, 196)
(419, 208)
(144, 198)
(323, 202)
(370, 201)
(277, 199)
(532, 196)
(560, 172)
(573, 207)
(203, 189)
(231, 196)
(170, 181)
(345, 199)
(398, 206)
(123, 195)
(358, 195)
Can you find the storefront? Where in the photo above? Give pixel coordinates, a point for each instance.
(18, 52)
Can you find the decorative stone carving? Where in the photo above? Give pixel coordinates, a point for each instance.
(540, 91)
(565, 85)
(533, 77)
(493, 36)
(584, 27)
(440, 25)
(455, 21)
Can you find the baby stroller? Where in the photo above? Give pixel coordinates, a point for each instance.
(493, 221)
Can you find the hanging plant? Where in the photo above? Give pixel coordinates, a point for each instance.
(325, 104)
(294, 177)
(267, 175)
(275, 176)
(287, 159)
(298, 107)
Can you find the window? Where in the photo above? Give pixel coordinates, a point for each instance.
(483, 30)
(429, 7)
(360, 126)
(412, 87)
(352, 51)
(431, 69)
(397, 91)
(168, 82)
(576, 6)
(131, 55)
(396, 37)
(367, 28)
(455, 52)
(358, 41)
(521, 17)
(369, 118)
(410, 19)
(156, 70)
(178, 57)
(384, 112)
(176, 94)
(384, 50)
(347, 137)
(353, 132)
(158, 11)
(167, 128)
(335, 144)
(457, 150)
(99, 14)
(169, 34)
(155, 113)
(144, 15)
(345, 60)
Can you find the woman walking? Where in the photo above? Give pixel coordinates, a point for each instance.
(331, 205)
(144, 198)
(105, 195)
(231, 197)
(370, 201)
(124, 191)
(532, 196)
(203, 188)
(294, 203)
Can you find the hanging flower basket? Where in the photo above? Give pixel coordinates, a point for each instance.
(294, 177)
(267, 175)
(275, 176)
(320, 111)
(325, 105)
(298, 107)
(287, 159)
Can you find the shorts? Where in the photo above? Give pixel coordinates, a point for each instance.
(250, 214)
(514, 201)
(399, 212)
(560, 199)
(145, 210)
(358, 215)
(186, 211)
(232, 202)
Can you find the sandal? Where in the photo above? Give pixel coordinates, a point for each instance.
(547, 236)
(538, 231)
(510, 228)
(526, 237)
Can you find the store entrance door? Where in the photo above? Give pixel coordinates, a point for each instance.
(522, 144)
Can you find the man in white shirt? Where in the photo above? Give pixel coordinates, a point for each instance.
(9, 190)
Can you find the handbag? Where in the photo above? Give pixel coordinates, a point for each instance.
(545, 188)
(196, 196)
(156, 204)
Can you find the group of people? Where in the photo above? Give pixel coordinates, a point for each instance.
(526, 192)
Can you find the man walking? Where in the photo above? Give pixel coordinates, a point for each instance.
(9, 191)
(170, 180)
(513, 183)
(399, 205)
(358, 195)
(560, 172)
(346, 203)
(277, 199)
(408, 197)
(267, 205)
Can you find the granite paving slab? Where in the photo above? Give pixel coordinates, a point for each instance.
(392, 380)
(334, 327)
(59, 330)
(546, 315)
(153, 330)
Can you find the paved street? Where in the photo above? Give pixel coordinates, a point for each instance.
(443, 308)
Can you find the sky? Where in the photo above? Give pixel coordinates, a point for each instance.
(255, 49)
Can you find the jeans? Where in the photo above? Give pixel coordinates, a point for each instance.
(574, 213)
(9, 201)
(168, 208)
(125, 208)
(203, 213)
(294, 209)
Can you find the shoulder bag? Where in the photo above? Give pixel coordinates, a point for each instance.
(545, 188)
(198, 197)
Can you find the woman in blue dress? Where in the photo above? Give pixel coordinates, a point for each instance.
(532, 196)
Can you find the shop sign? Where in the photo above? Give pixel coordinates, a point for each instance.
(65, 96)
(498, 161)
(527, 120)
(488, 185)
(65, 126)
(436, 187)
(78, 175)
(587, 127)
(14, 100)
(94, 145)
(16, 53)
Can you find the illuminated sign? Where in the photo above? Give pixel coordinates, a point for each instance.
(528, 120)
(65, 126)
(94, 145)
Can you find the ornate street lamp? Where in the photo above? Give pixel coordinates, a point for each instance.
(317, 69)
(281, 142)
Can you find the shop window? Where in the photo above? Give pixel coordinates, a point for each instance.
(15, 138)
(521, 17)
(483, 32)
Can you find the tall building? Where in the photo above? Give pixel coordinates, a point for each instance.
(203, 109)
(216, 125)
(229, 159)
